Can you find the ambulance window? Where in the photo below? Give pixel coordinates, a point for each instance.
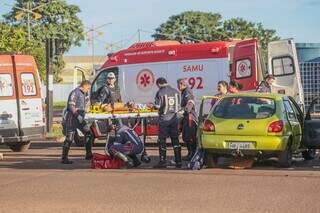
(6, 87)
(243, 68)
(28, 84)
(102, 77)
(282, 66)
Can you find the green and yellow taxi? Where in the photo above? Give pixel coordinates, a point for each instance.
(255, 124)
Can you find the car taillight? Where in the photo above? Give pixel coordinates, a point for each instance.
(208, 126)
(276, 126)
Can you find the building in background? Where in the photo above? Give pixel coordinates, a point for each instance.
(85, 62)
(309, 61)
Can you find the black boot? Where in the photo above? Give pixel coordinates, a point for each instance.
(88, 151)
(163, 159)
(88, 143)
(65, 152)
(135, 160)
(145, 158)
(177, 156)
(187, 157)
(127, 160)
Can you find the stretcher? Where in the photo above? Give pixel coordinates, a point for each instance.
(140, 116)
(104, 116)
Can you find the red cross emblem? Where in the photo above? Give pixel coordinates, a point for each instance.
(145, 79)
(2, 85)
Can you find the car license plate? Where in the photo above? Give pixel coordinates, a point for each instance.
(240, 145)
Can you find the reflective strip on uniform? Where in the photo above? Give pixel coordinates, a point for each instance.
(177, 99)
(166, 104)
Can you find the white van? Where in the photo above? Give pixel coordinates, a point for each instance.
(21, 109)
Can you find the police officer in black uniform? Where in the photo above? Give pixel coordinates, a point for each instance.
(110, 93)
(167, 100)
(76, 107)
(189, 120)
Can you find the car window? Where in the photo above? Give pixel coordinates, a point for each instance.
(28, 84)
(6, 87)
(290, 111)
(245, 108)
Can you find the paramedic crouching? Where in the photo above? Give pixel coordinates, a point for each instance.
(74, 119)
(126, 145)
(168, 104)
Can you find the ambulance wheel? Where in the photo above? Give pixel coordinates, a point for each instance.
(19, 146)
(79, 140)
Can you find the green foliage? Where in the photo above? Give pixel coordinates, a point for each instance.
(190, 26)
(58, 20)
(193, 25)
(13, 39)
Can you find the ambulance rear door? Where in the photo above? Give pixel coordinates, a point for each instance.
(283, 64)
(29, 96)
(9, 126)
(244, 64)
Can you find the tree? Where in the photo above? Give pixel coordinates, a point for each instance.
(13, 39)
(240, 28)
(203, 26)
(57, 20)
(191, 26)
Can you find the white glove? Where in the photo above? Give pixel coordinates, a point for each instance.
(80, 119)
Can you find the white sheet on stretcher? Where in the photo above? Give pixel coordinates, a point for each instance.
(104, 116)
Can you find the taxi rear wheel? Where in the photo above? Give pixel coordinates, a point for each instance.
(285, 157)
(210, 160)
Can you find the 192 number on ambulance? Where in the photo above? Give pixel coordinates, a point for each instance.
(195, 82)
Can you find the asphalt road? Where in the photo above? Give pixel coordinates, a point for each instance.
(35, 181)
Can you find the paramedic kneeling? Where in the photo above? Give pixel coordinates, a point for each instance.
(75, 114)
(168, 103)
(126, 145)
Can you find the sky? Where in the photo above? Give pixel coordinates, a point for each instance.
(298, 19)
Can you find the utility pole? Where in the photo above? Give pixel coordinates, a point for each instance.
(139, 35)
(28, 14)
(49, 96)
(91, 34)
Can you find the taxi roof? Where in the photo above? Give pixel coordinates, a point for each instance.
(257, 94)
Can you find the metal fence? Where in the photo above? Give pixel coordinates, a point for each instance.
(310, 77)
(60, 91)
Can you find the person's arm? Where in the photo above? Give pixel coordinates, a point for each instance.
(158, 101)
(71, 105)
(190, 102)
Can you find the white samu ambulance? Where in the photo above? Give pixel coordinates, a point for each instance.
(203, 65)
(21, 109)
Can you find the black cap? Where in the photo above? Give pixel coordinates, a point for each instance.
(270, 76)
(161, 81)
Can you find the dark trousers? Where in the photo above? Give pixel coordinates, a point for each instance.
(168, 129)
(127, 148)
(189, 131)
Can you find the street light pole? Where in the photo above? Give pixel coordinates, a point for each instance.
(91, 33)
(28, 14)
